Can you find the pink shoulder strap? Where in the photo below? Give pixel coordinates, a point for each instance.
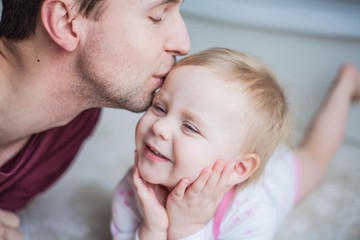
(221, 210)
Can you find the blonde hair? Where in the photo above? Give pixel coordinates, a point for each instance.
(267, 121)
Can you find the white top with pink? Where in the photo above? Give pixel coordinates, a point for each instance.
(253, 213)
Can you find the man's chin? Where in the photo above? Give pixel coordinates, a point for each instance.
(139, 106)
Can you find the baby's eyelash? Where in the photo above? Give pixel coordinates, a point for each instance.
(159, 108)
(191, 128)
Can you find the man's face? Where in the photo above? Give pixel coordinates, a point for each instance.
(126, 54)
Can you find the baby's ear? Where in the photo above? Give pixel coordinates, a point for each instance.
(245, 167)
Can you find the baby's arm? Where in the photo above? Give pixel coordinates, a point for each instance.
(190, 207)
(326, 131)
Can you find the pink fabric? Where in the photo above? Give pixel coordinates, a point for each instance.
(43, 160)
(221, 210)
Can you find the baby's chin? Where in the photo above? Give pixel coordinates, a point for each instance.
(150, 179)
(153, 179)
(168, 186)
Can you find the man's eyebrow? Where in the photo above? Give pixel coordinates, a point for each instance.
(165, 2)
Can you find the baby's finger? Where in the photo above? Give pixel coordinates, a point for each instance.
(138, 182)
(136, 175)
(141, 186)
(179, 191)
(214, 178)
(222, 185)
(198, 185)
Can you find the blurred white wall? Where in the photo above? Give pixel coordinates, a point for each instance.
(304, 42)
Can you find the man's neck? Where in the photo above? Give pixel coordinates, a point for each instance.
(31, 98)
(9, 150)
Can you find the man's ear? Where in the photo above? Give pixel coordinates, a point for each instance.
(57, 17)
(245, 167)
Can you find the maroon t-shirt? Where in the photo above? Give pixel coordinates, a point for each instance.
(43, 160)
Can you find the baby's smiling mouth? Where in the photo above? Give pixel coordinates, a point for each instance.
(155, 152)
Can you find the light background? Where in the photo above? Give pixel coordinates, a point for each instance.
(304, 42)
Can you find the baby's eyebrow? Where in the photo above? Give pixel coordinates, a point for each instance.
(195, 118)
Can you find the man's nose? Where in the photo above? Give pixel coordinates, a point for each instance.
(178, 42)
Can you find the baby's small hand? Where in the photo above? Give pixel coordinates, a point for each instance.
(152, 199)
(191, 206)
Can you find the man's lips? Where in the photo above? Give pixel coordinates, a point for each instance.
(160, 79)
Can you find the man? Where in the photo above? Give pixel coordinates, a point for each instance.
(60, 61)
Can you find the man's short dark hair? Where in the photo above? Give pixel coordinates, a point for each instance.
(19, 17)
